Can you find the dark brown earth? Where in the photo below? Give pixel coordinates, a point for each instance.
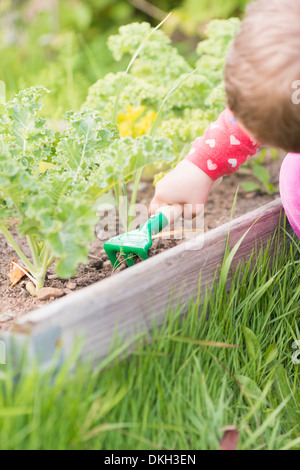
(16, 301)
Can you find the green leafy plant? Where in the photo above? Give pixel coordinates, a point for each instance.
(198, 94)
(158, 81)
(50, 182)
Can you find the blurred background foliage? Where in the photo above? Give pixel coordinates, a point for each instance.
(61, 44)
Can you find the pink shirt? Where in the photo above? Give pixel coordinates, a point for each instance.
(223, 148)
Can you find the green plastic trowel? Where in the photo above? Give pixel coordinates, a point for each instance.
(135, 243)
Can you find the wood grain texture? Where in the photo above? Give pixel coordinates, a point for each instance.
(128, 302)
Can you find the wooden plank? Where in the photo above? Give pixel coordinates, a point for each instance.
(25, 350)
(128, 301)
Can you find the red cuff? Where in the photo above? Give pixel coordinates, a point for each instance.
(223, 148)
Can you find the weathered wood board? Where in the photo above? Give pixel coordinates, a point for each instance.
(129, 301)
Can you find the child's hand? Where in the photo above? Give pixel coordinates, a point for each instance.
(186, 184)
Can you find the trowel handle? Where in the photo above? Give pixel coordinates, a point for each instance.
(163, 217)
(157, 223)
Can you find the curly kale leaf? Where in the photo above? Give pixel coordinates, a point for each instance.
(16, 185)
(213, 50)
(24, 130)
(80, 144)
(136, 92)
(49, 206)
(66, 228)
(158, 62)
(126, 156)
(158, 69)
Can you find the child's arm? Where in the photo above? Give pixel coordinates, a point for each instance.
(224, 147)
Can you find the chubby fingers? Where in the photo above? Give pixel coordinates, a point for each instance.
(155, 204)
(188, 210)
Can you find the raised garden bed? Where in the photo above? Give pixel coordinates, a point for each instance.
(16, 301)
(128, 302)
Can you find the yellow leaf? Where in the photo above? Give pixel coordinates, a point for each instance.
(43, 167)
(134, 122)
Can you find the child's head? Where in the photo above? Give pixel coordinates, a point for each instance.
(262, 68)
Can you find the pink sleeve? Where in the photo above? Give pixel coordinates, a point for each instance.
(223, 148)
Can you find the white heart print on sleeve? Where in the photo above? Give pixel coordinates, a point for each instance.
(233, 162)
(234, 141)
(211, 166)
(211, 143)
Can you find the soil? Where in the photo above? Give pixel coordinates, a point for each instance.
(16, 301)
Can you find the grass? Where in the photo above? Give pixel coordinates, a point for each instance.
(230, 365)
